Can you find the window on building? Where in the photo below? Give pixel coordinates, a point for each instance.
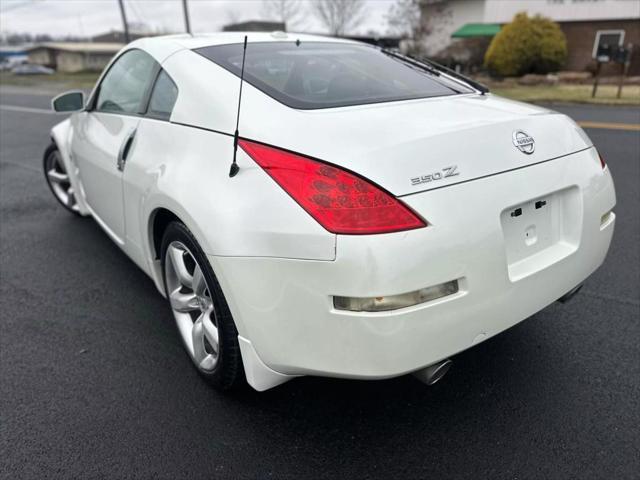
(606, 42)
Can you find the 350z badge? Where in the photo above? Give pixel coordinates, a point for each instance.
(432, 177)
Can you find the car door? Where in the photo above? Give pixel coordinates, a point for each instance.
(105, 136)
(155, 140)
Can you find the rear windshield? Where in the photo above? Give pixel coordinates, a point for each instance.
(310, 75)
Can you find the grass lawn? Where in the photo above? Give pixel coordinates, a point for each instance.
(58, 81)
(571, 93)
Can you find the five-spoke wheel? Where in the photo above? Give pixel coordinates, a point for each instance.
(199, 307)
(58, 179)
(192, 305)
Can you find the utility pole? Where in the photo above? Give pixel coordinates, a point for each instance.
(124, 21)
(187, 26)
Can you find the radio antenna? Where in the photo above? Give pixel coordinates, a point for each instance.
(233, 171)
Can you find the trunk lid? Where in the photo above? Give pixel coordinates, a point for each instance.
(414, 146)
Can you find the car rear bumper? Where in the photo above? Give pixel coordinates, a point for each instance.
(285, 306)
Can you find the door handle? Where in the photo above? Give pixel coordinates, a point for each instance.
(124, 149)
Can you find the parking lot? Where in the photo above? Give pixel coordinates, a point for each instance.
(94, 381)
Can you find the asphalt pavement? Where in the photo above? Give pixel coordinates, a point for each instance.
(94, 382)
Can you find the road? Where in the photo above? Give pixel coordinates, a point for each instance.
(95, 384)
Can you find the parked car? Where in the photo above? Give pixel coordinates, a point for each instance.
(31, 69)
(347, 212)
(12, 61)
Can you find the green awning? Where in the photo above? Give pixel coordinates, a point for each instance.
(476, 30)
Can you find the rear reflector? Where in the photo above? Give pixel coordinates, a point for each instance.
(393, 302)
(602, 162)
(340, 201)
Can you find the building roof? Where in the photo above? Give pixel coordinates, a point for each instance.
(471, 30)
(14, 49)
(254, 26)
(79, 47)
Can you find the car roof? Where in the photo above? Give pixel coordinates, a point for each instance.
(171, 42)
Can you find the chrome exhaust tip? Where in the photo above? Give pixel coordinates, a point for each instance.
(433, 373)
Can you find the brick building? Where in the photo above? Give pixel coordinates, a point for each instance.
(582, 21)
(581, 37)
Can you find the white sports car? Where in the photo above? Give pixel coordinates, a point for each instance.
(348, 212)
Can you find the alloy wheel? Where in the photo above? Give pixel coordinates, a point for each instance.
(192, 306)
(59, 181)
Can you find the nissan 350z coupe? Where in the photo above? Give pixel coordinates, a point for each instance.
(343, 211)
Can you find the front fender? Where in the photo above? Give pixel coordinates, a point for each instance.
(62, 135)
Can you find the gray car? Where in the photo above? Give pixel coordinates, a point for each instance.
(29, 69)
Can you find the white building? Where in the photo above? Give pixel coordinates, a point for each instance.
(581, 20)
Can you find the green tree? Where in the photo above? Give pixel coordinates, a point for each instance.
(527, 45)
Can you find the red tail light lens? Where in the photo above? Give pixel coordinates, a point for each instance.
(340, 201)
(602, 162)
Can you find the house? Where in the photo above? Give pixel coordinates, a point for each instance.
(584, 23)
(73, 56)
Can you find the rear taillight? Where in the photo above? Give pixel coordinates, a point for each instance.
(602, 162)
(339, 200)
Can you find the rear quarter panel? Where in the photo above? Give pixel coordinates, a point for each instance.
(186, 170)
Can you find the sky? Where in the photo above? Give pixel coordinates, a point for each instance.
(90, 17)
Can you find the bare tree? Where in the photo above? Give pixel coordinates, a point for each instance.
(339, 16)
(415, 20)
(289, 12)
(405, 19)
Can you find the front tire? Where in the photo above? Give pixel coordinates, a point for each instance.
(58, 179)
(201, 312)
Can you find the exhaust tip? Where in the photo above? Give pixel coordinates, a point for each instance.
(433, 373)
(572, 293)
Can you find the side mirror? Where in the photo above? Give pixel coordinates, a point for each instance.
(68, 102)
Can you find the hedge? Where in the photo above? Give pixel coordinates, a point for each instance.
(527, 45)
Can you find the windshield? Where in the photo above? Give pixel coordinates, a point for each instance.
(310, 75)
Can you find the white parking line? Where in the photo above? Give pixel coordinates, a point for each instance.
(16, 108)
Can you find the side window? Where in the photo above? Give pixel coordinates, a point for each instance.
(163, 97)
(124, 86)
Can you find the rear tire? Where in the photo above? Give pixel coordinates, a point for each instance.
(201, 312)
(58, 180)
